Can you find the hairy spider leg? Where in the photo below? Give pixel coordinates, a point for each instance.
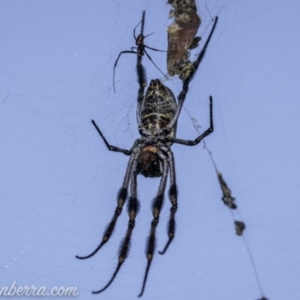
(156, 208)
(173, 196)
(133, 208)
(140, 70)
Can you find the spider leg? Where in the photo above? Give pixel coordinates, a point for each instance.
(116, 62)
(142, 22)
(133, 208)
(154, 48)
(187, 81)
(173, 199)
(142, 84)
(135, 49)
(201, 54)
(110, 147)
(203, 135)
(156, 208)
(154, 62)
(122, 195)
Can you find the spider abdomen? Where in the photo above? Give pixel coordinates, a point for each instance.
(158, 107)
(153, 122)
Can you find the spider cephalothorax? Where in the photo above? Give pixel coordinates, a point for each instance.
(148, 162)
(151, 156)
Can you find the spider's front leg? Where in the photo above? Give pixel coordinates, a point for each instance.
(109, 146)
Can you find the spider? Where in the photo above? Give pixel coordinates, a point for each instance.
(140, 49)
(151, 156)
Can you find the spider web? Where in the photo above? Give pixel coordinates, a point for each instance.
(58, 183)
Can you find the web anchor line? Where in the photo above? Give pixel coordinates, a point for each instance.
(229, 201)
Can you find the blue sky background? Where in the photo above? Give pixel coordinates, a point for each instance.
(58, 182)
